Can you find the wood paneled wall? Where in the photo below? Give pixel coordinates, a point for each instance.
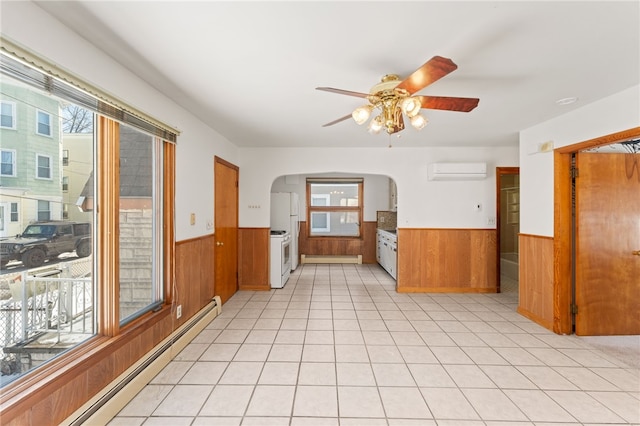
(335, 246)
(52, 394)
(253, 258)
(447, 260)
(536, 279)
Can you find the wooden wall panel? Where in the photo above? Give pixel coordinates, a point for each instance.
(253, 258)
(195, 269)
(335, 246)
(73, 380)
(447, 260)
(536, 279)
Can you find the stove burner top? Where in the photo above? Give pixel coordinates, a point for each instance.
(278, 232)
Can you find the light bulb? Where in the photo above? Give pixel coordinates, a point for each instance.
(375, 125)
(411, 106)
(361, 114)
(418, 121)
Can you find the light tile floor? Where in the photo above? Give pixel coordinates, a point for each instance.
(339, 346)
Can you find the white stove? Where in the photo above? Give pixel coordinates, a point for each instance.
(280, 258)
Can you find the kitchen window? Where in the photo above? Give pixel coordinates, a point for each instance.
(334, 207)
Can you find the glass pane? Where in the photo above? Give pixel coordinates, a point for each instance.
(6, 117)
(335, 224)
(44, 120)
(43, 167)
(334, 194)
(54, 309)
(140, 288)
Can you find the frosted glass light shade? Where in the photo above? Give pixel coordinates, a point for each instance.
(418, 121)
(361, 114)
(411, 106)
(375, 125)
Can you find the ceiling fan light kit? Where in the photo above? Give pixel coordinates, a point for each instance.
(393, 98)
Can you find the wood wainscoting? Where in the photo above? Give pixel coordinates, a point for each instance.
(336, 246)
(536, 279)
(447, 260)
(194, 270)
(253, 259)
(58, 389)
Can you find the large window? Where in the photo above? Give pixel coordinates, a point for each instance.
(334, 207)
(105, 268)
(140, 207)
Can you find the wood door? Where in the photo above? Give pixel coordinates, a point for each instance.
(608, 233)
(226, 229)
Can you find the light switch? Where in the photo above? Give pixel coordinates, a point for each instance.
(193, 218)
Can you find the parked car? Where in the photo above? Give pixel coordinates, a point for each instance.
(46, 240)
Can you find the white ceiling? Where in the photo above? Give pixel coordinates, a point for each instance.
(250, 69)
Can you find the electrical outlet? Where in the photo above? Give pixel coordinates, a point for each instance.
(491, 221)
(178, 311)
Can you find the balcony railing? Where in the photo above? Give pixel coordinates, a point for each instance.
(49, 310)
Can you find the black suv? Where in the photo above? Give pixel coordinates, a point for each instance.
(46, 240)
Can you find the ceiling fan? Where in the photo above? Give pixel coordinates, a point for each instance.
(394, 97)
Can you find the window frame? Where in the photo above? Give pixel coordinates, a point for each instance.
(109, 337)
(334, 209)
(14, 213)
(49, 124)
(38, 167)
(13, 114)
(14, 162)
(40, 211)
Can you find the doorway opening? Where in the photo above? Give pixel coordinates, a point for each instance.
(508, 228)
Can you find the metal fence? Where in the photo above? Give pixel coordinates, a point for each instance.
(55, 300)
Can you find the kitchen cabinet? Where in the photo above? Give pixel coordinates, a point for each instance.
(387, 251)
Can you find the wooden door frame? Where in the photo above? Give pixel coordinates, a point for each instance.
(222, 162)
(500, 172)
(562, 225)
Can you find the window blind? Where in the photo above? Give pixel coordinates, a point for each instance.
(29, 69)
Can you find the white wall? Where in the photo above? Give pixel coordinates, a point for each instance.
(421, 203)
(197, 143)
(376, 191)
(609, 115)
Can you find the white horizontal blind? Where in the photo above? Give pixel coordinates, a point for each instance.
(29, 69)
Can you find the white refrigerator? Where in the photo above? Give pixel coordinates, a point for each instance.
(285, 208)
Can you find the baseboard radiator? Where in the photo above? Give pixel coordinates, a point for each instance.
(114, 397)
(354, 259)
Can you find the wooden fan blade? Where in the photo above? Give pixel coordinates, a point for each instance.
(433, 70)
(331, 123)
(343, 92)
(448, 103)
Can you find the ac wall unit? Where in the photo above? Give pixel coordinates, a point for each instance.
(457, 171)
